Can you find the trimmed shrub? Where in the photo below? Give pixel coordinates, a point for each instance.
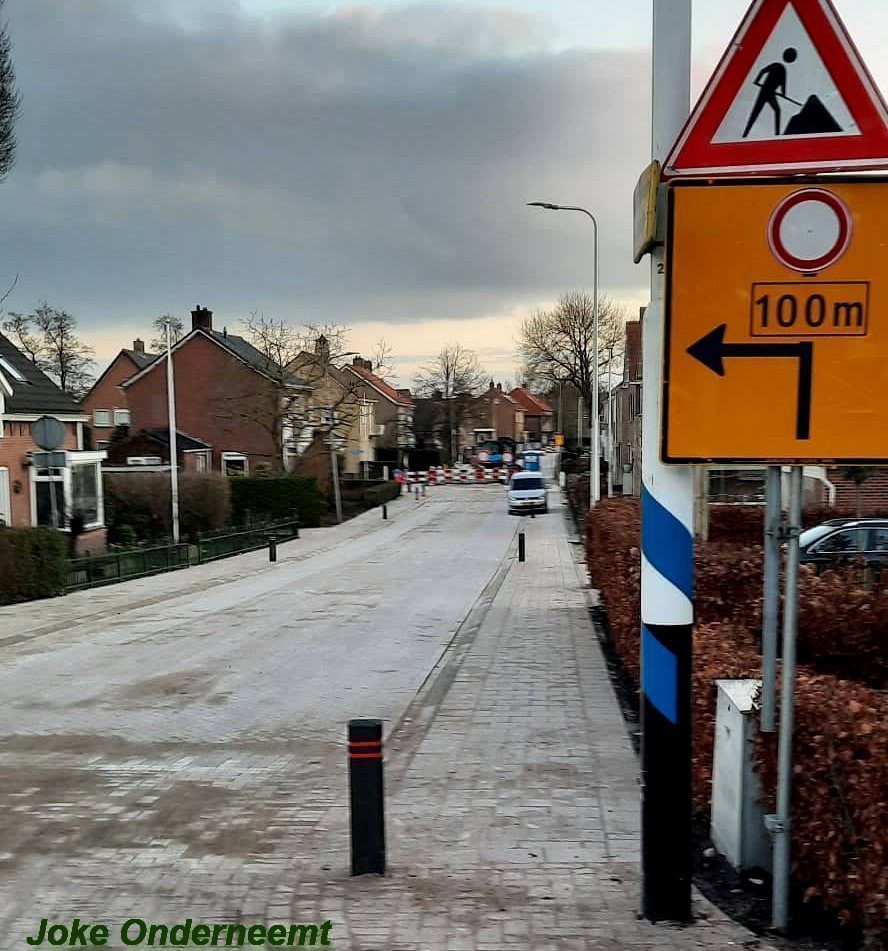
(33, 564)
(276, 499)
(370, 494)
(737, 524)
(840, 799)
(139, 504)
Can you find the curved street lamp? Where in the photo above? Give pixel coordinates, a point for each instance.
(594, 465)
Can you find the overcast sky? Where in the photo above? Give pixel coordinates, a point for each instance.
(361, 163)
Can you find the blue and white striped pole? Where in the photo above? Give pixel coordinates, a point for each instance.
(667, 541)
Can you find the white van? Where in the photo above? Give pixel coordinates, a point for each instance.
(527, 493)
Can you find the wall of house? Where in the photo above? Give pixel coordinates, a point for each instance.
(108, 394)
(873, 492)
(215, 396)
(15, 444)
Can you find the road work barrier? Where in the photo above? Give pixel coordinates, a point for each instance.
(458, 475)
(366, 795)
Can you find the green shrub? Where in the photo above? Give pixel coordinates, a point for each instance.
(276, 499)
(33, 564)
(139, 504)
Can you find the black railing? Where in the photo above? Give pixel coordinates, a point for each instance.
(223, 544)
(91, 571)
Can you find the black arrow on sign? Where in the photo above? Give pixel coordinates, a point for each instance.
(712, 349)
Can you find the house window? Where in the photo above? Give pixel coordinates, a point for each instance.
(121, 417)
(235, 464)
(200, 462)
(85, 492)
(49, 485)
(7, 367)
(102, 417)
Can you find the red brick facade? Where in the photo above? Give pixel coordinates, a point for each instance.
(107, 394)
(216, 396)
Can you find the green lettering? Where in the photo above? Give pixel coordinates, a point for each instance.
(303, 933)
(277, 935)
(179, 933)
(231, 931)
(98, 935)
(217, 932)
(256, 934)
(153, 932)
(125, 935)
(325, 931)
(201, 934)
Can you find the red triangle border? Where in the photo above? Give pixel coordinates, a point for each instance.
(695, 154)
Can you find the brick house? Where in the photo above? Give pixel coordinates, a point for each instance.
(107, 403)
(27, 492)
(492, 415)
(391, 421)
(228, 397)
(539, 417)
(626, 420)
(336, 413)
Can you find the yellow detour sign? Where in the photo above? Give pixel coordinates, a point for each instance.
(776, 346)
(559, 439)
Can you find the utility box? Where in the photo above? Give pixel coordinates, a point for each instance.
(737, 825)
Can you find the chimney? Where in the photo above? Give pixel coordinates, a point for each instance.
(405, 393)
(139, 345)
(201, 318)
(368, 365)
(322, 349)
(491, 384)
(499, 386)
(357, 362)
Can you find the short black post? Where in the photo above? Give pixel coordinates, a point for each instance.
(417, 493)
(272, 548)
(520, 546)
(367, 805)
(385, 513)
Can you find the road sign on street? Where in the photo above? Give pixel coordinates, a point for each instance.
(776, 333)
(791, 94)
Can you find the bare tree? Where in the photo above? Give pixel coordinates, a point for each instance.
(453, 374)
(557, 345)
(158, 327)
(297, 393)
(10, 103)
(18, 327)
(68, 359)
(48, 337)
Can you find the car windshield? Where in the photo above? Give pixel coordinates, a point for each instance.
(527, 483)
(811, 535)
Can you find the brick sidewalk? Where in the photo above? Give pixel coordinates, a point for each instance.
(513, 792)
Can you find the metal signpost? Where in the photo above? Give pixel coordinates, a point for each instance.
(769, 285)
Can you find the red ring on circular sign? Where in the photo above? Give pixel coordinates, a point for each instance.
(840, 246)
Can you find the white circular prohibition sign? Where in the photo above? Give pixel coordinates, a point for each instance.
(810, 230)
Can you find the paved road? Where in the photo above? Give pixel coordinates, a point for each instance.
(193, 716)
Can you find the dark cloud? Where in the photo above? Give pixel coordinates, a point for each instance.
(367, 164)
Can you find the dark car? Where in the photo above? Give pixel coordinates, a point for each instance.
(842, 541)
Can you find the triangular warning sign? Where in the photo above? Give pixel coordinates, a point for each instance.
(790, 95)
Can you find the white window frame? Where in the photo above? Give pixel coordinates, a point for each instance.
(5, 497)
(97, 424)
(232, 457)
(63, 475)
(118, 413)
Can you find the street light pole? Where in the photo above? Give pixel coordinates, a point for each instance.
(610, 424)
(174, 453)
(595, 429)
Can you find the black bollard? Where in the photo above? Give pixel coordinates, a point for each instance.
(367, 805)
(417, 493)
(272, 548)
(385, 513)
(520, 546)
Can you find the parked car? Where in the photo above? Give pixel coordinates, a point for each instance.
(844, 540)
(527, 493)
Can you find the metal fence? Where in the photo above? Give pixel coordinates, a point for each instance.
(223, 544)
(91, 571)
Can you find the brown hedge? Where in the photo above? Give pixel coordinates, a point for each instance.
(840, 836)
